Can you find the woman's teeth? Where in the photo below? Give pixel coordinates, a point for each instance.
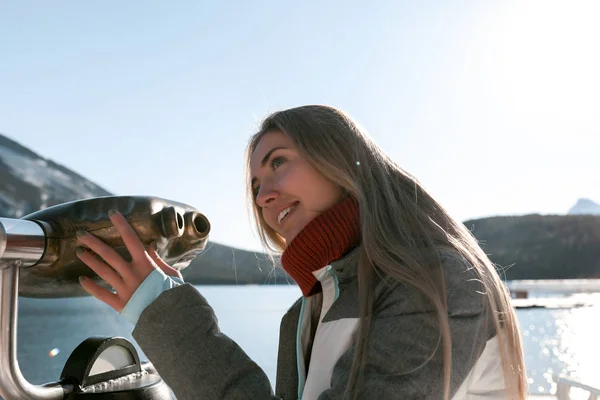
(283, 214)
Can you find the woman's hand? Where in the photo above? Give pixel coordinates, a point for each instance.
(124, 277)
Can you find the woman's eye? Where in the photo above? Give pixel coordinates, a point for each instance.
(255, 191)
(277, 161)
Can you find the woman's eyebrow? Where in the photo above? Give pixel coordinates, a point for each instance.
(265, 159)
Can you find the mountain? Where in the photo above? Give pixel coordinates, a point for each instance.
(30, 182)
(220, 264)
(541, 246)
(585, 206)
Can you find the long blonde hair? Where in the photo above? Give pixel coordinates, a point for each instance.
(399, 221)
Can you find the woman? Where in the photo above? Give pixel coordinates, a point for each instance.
(398, 299)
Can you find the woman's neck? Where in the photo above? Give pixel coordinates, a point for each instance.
(326, 238)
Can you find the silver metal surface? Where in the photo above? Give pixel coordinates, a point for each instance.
(22, 244)
(22, 241)
(12, 383)
(179, 232)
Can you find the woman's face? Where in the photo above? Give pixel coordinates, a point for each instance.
(287, 189)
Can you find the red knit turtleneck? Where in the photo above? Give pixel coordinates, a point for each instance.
(326, 238)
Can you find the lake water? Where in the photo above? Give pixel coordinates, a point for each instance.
(556, 341)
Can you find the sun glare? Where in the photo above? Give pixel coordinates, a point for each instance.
(547, 64)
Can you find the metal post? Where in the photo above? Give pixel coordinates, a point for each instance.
(22, 244)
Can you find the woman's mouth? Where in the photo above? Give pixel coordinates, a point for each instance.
(285, 213)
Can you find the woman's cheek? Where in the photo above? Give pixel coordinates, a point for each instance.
(283, 180)
(266, 218)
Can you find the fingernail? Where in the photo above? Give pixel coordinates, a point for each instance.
(82, 279)
(112, 212)
(81, 233)
(78, 250)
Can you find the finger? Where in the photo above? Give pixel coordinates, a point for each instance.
(166, 268)
(101, 294)
(104, 271)
(129, 236)
(107, 253)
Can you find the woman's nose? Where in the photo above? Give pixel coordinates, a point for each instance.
(266, 194)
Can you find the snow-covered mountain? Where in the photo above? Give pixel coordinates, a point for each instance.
(585, 206)
(30, 182)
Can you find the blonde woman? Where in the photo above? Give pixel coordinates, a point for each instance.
(398, 299)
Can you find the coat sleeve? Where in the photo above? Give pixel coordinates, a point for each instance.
(179, 334)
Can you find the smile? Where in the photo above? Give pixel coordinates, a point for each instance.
(284, 213)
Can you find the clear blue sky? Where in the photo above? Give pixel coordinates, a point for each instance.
(493, 105)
